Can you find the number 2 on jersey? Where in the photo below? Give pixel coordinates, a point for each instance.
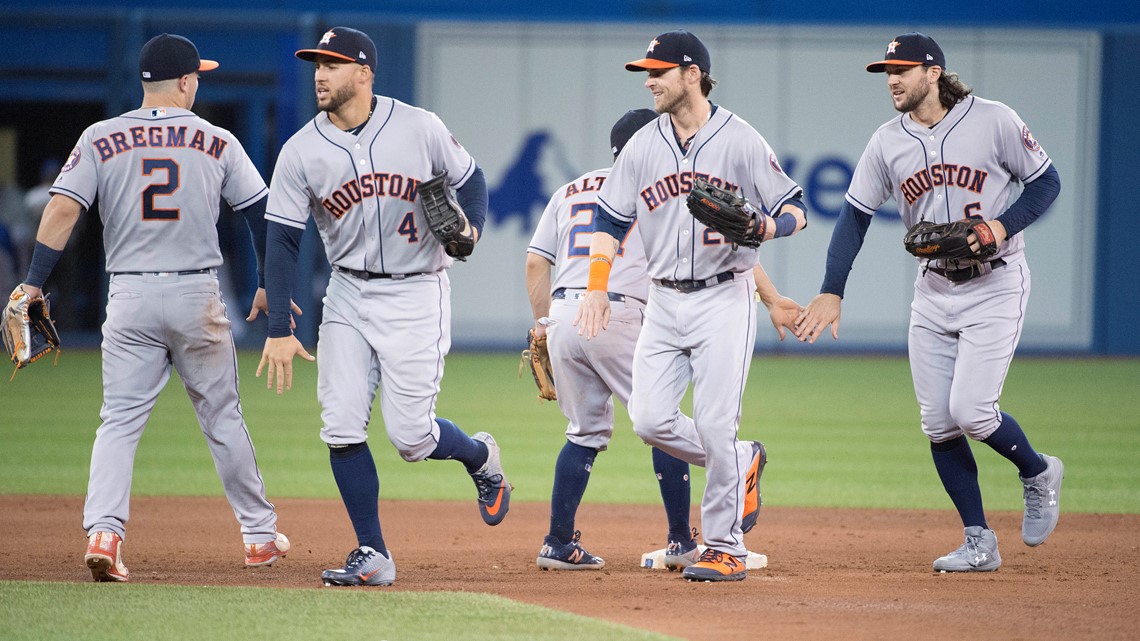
(586, 226)
(149, 167)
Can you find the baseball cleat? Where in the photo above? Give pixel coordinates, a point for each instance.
(105, 557)
(681, 554)
(494, 490)
(716, 566)
(1042, 501)
(978, 554)
(571, 556)
(752, 499)
(259, 554)
(364, 566)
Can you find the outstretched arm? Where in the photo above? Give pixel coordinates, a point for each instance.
(824, 309)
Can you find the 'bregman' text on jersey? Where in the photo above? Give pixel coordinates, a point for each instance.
(924, 181)
(367, 186)
(157, 136)
(675, 185)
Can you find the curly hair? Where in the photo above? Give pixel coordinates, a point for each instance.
(951, 90)
(707, 83)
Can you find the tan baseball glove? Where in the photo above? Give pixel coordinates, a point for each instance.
(537, 357)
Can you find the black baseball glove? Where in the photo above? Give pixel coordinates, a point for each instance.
(727, 213)
(445, 217)
(27, 328)
(951, 241)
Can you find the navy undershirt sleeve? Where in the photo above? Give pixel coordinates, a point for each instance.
(846, 241)
(44, 259)
(255, 219)
(605, 222)
(282, 244)
(786, 222)
(472, 197)
(1033, 201)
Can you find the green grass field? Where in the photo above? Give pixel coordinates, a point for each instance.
(840, 431)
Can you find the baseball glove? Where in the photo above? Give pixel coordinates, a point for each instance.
(727, 213)
(28, 330)
(538, 358)
(445, 217)
(950, 241)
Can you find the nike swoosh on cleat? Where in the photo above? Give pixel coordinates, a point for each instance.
(493, 509)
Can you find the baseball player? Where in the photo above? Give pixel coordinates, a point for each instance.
(354, 169)
(948, 156)
(700, 321)
(590, 373)
(160, 173)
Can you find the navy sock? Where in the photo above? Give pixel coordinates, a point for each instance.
(1010, 441)
(455, 444)
(673, 478)
(355, 474)
(959, 473)
(571, 474)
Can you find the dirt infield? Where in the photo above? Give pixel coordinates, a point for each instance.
(832, 574)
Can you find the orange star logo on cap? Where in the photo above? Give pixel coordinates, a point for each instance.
(891, 47)
(651, 45)
(327, 38)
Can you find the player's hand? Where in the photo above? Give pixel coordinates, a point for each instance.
(593, 314)
(998, 229)
(32, 292)
(784, 311)
(277, 356)
(823, 310)
(539, 330)
(261, 305)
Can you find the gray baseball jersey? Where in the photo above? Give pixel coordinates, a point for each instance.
(652, 178)
(969, 164)
(360, 189)
(160, 175)
(589, 373)
(362, 192)
(705, 335)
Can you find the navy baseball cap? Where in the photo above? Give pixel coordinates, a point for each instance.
(627, 125)
(673, 49)
(344, 44)
(911, 49)
(167, 56)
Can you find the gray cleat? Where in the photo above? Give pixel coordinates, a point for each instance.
(1042, 501)
(978, 554)
(364, 566)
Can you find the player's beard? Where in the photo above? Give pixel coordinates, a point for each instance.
(913, 100)
(338, 98)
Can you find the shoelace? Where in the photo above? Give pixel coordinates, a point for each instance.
(1034, 495)
(711, 556)
(486, 484)
(674, 547)
(356, 559)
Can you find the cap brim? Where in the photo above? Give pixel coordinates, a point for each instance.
(881, 66)
(649, 63)
(310, 55)
(208, 65)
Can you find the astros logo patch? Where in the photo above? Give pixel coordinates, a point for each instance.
(1028, 140)
(652, 44)
(72, 160)
(891, 47)
(327, 38)
(775, 163)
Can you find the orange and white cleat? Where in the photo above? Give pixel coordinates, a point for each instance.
(105, 557)
(259, 554)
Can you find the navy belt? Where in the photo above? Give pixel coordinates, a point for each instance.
(969, 273)
(560, 294)
(686, 286)
(363, 275)
(190, 272)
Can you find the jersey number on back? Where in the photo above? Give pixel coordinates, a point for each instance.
(586, 226)
(149, 167)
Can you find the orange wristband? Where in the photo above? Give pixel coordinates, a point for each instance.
(600, 266)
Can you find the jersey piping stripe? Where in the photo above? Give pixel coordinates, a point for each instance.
(439, 342)
(63, 191)
(925, 157)
(288, 222)
(870, 211)
(244, 425)
(249, 201)
(538, 251)
(1024, 299)
(693, 225)
(372, 167)
(742, 369)
(1037, 174)
(942, 151)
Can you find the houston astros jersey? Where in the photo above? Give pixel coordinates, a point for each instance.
(563, 238)
(157, 173)
(971, 163)
(360, 189)
(653, 176)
